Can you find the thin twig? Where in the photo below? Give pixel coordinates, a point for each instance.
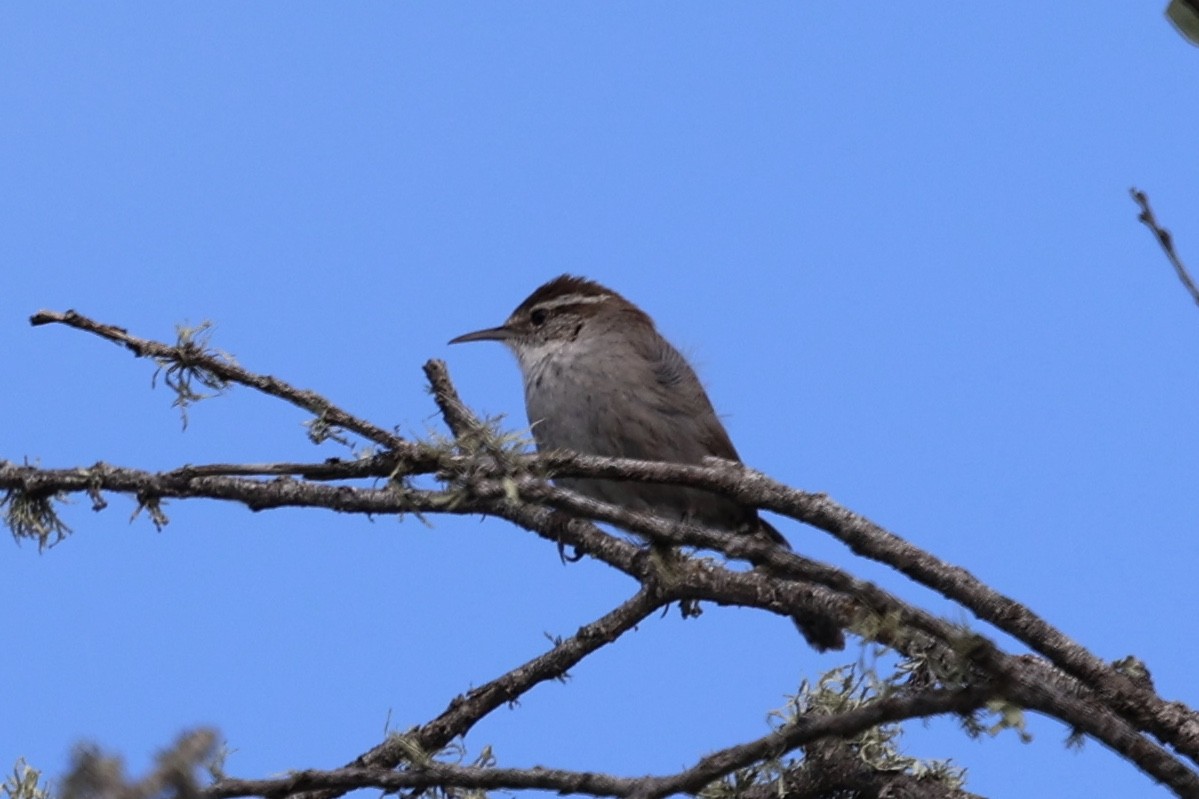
(229, 372)
(459, 418)
(465, 711)
(803, 730)
(1165, 240)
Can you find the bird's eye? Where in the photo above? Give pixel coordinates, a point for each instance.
(538, 316)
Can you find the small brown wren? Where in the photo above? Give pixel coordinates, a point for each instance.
(600, 380)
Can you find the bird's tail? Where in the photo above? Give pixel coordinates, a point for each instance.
(821, 633)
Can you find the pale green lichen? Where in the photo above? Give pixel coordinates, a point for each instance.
(183, 373)
(33, 516)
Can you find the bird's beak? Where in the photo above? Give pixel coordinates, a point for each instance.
(490, 334)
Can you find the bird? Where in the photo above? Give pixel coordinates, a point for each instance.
(600, 379)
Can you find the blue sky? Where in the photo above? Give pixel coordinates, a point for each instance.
(897, 244)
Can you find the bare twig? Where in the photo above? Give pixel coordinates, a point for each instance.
(229, 372)
(1165, 240)
(459, 418)
(465, 711)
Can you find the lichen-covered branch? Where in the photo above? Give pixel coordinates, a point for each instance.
(482, 471)
(799, 732)
(217, 369)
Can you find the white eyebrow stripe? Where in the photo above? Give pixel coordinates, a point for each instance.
(573, 299)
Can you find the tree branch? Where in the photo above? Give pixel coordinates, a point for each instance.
(466, 710)
(190, 356)
(808, 729)
(803, 730)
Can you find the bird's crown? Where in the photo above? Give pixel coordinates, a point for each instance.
(566, 291)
